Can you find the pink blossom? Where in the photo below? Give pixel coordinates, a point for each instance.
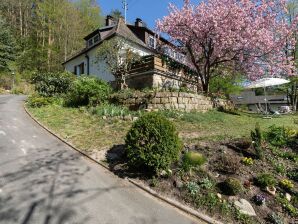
(251, 36)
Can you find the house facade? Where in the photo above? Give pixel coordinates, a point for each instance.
(249, 99)
(140, 40)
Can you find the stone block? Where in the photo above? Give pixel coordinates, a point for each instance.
(181, 94)
(168, 106)
(175, 94)
(173, 100)
(185, 100)
(181, 106)
(164, 100)
(155, 100)
(180, 100)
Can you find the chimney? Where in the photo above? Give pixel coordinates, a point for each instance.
(110, 20)
(139, 22)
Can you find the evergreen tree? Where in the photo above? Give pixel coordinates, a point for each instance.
(7, 47)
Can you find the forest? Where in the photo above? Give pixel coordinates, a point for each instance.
(38, 35)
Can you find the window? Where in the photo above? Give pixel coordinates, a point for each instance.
(79, 69)
(152, 42)
(90, 42)
(96, 38)
(180, 57)
(75, 70)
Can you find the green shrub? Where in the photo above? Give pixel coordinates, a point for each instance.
(110, 110)
(192, 159)
(247, 161)
(5, 81)
(276, 136)
(293, 175)
(152, 143)
(256, 137)
(39, 101)
(87, 90)
(231, 186)
(207, 183)
(286, 184)
(265, 180)
(280, 168)
(193, 188)
(275, 219)
(281, 136)
(292, 210)
(52, 83)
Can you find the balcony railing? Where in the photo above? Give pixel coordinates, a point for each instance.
(154, 65)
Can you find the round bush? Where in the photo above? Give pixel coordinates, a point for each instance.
(152, 143)
(87, 90)
(192, 159)
(231, 186)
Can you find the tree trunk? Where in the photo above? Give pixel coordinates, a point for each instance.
(294, 96)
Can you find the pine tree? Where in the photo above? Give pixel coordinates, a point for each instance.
(7, 47)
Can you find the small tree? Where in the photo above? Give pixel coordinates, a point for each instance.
(119, 58)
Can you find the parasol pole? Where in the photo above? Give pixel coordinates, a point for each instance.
(266, 106)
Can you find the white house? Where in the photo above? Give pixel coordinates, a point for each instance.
(138, 38)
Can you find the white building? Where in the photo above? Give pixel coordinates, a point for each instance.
(138, 38)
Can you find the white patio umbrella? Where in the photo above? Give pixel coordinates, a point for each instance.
(265, 82)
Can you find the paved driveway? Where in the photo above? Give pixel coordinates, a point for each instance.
(43, 181)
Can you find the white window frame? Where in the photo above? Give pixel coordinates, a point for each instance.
(94, 41)
(90, 42)
(150, 43)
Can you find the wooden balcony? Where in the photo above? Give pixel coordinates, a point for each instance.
(152, 64)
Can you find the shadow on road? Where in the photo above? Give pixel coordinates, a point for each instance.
(47, 183)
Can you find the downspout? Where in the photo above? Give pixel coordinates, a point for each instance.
(88, 64)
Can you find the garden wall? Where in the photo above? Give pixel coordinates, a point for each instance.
(165, 100)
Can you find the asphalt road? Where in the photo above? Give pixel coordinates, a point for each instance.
(44, 181)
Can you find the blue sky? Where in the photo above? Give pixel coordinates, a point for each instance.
(148, 10)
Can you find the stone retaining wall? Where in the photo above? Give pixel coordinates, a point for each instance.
(166, 100)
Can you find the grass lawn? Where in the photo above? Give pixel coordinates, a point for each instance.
(91, 132)
(85, 131)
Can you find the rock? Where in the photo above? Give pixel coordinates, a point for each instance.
(271, 190)
(219, 195)
(288, 197)
(163, 173)
(216, 175)
(232, 198)
(178, 183)
(127, 118)
(245, 207)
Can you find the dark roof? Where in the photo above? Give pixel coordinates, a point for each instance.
(120, 29)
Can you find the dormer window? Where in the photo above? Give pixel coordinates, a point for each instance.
(90, 42)
(96, 38)
(152, 42)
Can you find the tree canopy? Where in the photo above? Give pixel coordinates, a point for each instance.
(7, 47)
(49, 31)
(249, 36)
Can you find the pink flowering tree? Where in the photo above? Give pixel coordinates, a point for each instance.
(248, 36)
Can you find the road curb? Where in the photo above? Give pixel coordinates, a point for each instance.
(169, 201)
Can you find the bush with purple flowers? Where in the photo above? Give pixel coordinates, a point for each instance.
(259, 199)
